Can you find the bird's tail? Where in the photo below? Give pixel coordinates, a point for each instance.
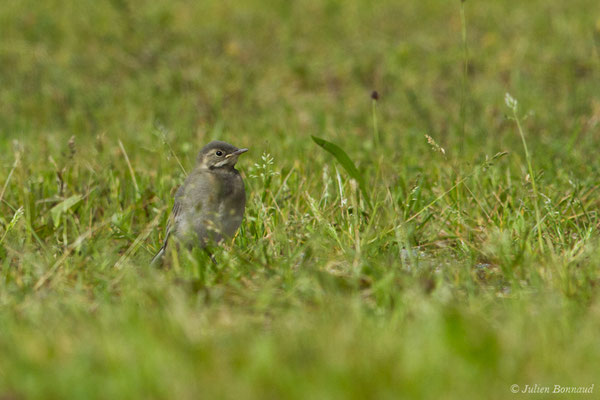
(158, 257)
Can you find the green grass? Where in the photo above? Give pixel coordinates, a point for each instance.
(476, 267)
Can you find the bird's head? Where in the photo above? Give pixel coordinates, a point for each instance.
(219, 154)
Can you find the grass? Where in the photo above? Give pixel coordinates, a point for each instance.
(476, 268)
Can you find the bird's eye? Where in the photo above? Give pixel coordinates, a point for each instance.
(219, 153)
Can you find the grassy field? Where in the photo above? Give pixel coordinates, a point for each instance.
(470, 264)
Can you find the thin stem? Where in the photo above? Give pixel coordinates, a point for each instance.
(375, 126)
(463, 100)
(15, 164)
(131, 171)
(532, 175)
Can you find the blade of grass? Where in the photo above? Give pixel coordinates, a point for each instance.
(131, 172)
(512, 103)
(14, 166)
(86, 235)
(463, 99)
(341, 156)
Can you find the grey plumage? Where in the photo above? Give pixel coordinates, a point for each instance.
(210, 204)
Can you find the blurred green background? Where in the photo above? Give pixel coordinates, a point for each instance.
(460, 281)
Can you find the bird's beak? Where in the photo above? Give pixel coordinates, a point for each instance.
(236, 153)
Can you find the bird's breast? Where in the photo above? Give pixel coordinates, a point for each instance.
(232, 205)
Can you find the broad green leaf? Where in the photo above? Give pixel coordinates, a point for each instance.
(341, 156)
(62, 207)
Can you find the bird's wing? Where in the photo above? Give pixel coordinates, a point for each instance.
(170, 223)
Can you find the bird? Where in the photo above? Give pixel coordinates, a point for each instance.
(209, 206)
